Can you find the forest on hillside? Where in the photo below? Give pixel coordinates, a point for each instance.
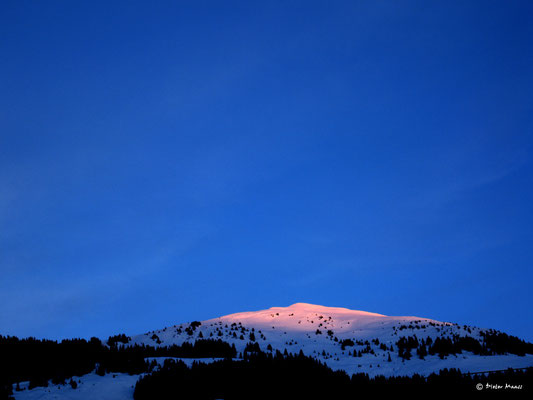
(268, 373)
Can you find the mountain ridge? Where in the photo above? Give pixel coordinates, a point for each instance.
(351, 340)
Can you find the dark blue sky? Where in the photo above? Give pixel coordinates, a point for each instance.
(161, 163)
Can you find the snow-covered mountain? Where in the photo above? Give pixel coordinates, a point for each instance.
(349, 340)
(343, 339)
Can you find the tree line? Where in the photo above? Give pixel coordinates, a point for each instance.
(40, 360)
(264, 375)
(490, 343)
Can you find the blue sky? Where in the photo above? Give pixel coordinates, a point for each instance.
(161, 163)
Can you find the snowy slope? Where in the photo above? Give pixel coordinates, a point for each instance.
(90, 386)
(318, 331)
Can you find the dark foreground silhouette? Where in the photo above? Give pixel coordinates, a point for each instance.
(266, 376)
(255, 375)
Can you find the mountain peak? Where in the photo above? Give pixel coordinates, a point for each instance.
(301, 316)
(351, 340)
(325, 309)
